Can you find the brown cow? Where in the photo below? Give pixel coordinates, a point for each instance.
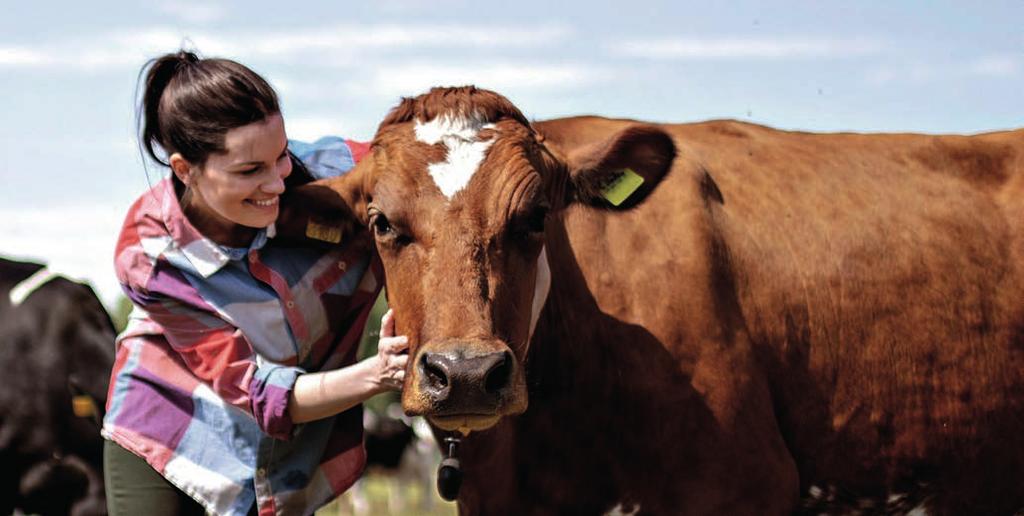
(772, 316)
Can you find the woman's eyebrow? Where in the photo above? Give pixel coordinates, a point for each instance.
(256, 162)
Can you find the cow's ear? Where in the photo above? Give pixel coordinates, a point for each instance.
(322, 212)
(620, 171)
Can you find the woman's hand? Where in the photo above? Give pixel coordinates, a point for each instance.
(392, 355)
(326, 393)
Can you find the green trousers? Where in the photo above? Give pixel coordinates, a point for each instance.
(135, 488)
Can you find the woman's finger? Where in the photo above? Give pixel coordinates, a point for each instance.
(387, 324)
(400, 360)
(392, 345)
(400, 343)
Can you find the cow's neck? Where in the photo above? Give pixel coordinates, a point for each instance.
(574, 371)
(573, 346)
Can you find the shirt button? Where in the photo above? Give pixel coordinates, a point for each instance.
(252, 257)
(290, 304)
(341, 265)
(261, 473)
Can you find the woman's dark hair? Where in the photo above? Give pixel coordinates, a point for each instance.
(188, 104)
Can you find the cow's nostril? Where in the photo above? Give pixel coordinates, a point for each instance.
(435, 371)
(498, 376)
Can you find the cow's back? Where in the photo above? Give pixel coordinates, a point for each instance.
(875, 277)
(11, 274)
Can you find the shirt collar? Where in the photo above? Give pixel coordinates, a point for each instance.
(205, 255)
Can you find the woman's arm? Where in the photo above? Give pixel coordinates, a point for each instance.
(324, 394)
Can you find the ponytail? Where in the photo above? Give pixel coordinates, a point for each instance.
(188, 104)
(159, 72)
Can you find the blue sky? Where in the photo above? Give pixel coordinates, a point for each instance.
(70, 166)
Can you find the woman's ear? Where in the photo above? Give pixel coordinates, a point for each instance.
(181, 168)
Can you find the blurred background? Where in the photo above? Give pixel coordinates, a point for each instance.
(70, 164)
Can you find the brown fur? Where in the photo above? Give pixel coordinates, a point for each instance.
(783, 311)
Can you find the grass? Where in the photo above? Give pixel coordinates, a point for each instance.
(383, 495)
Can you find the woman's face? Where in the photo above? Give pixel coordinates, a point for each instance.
(241, 186)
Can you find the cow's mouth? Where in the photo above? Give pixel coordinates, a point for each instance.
(464, 423)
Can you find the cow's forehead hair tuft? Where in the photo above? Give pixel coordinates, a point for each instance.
(451, 126)
(465, 101)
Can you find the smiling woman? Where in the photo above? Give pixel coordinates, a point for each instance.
(235, 389)
(237, 191)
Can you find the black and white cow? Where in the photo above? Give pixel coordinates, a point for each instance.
(56, 352)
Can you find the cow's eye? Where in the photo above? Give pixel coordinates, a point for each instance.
(531, 225)
(385, 232)
(380, 224)
(535, 221)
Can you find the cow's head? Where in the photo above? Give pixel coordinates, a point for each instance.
(456, 192)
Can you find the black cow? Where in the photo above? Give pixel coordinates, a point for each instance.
(56, 353)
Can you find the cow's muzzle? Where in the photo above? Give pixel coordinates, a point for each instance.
(467, 385)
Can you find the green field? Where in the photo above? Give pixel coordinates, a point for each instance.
(382, 495)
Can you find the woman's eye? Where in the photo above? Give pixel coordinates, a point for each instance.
(249, 171)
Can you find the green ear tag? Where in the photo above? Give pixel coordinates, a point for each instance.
(619, 189)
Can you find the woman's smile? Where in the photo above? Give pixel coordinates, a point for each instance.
(267, 204)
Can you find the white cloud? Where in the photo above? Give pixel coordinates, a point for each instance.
(328, 44)
(194, 12)
(74, 57)
(743, 48)
(342, 37)
(996, 65)
(992, 66)
(76, 241)
(16, 56)
(414, 78)
(308, 128)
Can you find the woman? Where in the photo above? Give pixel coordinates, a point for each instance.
(235, 389)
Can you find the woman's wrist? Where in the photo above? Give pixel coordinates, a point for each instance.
(324, 394)
(370, 371)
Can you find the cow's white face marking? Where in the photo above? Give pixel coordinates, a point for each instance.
(465, 151)
(541, 289)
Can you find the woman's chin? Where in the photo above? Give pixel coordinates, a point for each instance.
(259, 221)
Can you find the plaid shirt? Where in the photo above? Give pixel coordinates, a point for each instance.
(218, 336)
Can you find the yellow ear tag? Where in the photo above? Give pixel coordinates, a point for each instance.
(619, 189)
(83, 406)
(323, 232)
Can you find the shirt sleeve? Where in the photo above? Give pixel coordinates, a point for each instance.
(330, 156)
(218, 353)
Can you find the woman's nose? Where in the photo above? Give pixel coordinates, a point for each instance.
(275, 185)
